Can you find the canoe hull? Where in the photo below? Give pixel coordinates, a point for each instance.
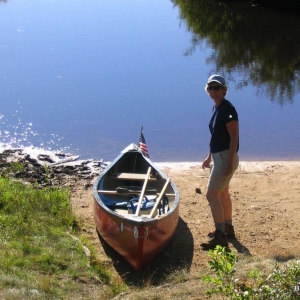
(137, 241)
(138, 238)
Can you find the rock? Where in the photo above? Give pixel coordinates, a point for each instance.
(198, 191)
(48, 168)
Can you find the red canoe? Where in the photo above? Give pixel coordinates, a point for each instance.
(136, 207)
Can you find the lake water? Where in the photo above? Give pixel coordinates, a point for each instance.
(85, 76)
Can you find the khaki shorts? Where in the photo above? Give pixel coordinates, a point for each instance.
(217, 180)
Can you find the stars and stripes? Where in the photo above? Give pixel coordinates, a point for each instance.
(143, 145)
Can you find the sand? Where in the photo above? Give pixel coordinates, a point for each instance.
(266, 214)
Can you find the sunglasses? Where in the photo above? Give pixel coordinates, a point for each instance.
(215, 88)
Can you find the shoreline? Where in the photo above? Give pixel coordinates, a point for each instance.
(177, 166)
(247, 166)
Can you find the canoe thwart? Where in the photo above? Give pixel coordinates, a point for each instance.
(132, 176)
(135, 190)
(123, 191)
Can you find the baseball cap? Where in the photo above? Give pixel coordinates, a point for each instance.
(216, 78)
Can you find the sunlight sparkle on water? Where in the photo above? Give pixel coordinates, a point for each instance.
(14, 134)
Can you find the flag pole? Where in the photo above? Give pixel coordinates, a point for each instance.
(142, 144)
(138, 146)
(141, 132)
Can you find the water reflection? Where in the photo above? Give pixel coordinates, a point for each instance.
(261, 45)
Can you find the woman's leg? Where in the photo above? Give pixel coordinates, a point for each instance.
(225, 201)
(227, 208)
(219, 236)
(214, 199)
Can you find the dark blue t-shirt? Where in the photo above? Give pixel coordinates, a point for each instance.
(220, 138)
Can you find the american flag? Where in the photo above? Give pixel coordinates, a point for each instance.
(143, 145)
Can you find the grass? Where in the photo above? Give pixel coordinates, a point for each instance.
(39, 258)
(43, 256)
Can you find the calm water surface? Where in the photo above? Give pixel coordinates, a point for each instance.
(86, 76)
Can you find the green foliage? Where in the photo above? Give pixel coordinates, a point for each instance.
(11, 169)
(17, 167)
(223, 264)
(282, 283)
(37, 250)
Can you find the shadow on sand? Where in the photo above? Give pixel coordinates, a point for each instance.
(177, 255)
(240, 248)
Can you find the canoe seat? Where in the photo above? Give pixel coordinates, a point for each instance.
(129, 190)
(132, 176)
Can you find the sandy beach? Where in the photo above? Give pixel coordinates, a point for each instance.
(266, 214)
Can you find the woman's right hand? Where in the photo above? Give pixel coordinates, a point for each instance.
(206, 162)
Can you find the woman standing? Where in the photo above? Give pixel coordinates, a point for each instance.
(224, 145)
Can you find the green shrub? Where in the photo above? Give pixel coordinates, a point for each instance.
(282, 283)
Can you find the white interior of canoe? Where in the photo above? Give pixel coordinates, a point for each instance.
(125, 186)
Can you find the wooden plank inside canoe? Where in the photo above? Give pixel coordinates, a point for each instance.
(132, 176)
(110, 192)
